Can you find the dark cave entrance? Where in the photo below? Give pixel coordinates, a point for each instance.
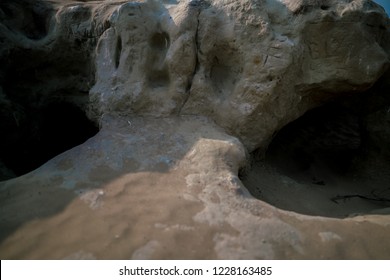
(32, 139)
(329, 137)
(333, 161)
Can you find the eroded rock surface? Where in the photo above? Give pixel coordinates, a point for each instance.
(183, 92)
(249, 65)
(164, 188)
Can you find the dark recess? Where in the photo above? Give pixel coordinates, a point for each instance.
(330, 135)
(333, 161)
(44, 134)
(118, 51)
(43, 90)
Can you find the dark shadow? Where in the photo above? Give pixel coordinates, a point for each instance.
(333, 161)
(48, 132)
(43, 91)
(26, 17)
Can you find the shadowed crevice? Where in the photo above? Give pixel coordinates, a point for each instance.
(326, 163)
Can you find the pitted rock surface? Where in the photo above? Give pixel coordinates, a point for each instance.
(186, 94)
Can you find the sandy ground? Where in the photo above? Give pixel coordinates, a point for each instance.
(322, 192)
(331, 162)
(146, 188)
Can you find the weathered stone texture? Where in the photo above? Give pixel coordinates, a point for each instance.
(183, 91)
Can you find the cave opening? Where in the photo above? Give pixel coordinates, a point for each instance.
(333, 161)
(328, 137)
(34, 136)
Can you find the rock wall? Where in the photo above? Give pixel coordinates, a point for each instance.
(182, 91)
(252, 66)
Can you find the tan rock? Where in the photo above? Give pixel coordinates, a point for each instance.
(183, 92)
(165, 188)
(251, 66)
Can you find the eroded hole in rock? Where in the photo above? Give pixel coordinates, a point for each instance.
(159, 78)
(158, 74)
(225, 71)
(34, 138)
(118, 51)
(160, 41)
(324, 163)
(328, 137)
(222, 78)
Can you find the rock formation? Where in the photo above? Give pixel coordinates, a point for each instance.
(250, 66)
(187, 94)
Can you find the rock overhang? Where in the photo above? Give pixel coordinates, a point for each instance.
(150, 68)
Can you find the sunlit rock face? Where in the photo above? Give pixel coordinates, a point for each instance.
(170, 107)
(146, 59)
(252, 66)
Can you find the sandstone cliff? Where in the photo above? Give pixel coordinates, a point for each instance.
(187, 96)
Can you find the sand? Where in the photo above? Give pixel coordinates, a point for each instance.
(167, 188)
